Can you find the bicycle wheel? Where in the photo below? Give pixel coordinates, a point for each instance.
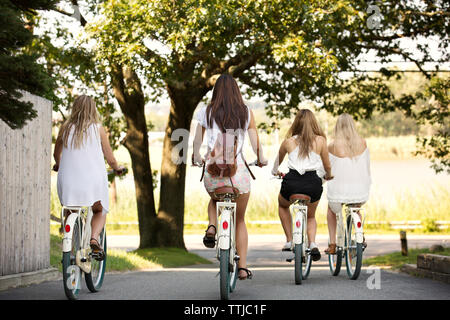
(71, 272)
(94, 279)
(353, 254)
(306, 266)
(335, 262)
(298, 249)
(225, 274)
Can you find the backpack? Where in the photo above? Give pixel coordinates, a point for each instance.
(222, 159)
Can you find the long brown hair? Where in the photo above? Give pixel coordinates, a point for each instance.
(83, 115)
(227, 107)
(306, 128)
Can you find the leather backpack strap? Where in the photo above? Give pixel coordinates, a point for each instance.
(248, 168)
(203, 171)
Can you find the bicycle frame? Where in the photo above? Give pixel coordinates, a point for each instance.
(84, 215)
(299, 215)
(226, 222)
(342, 225)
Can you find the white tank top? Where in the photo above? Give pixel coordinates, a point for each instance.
(313, 162)
(351, 183)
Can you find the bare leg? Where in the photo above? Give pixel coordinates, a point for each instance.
(212, 217)
(241, 232)
(285, 217)
(98, 220)
(332, 223)
(312, 225)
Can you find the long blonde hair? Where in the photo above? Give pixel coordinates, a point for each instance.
(306, 127)
(345, 132)
(83, 115)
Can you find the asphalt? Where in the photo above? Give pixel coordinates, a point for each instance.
(273, 277)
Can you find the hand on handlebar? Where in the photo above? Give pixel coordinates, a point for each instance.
(55, 167)
(120, 171)
(327, 177)
(197, 160)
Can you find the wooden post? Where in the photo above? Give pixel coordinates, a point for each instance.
(404, 243)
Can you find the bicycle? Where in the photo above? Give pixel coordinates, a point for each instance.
(78, 257)
(225, 236)
(302, 253)
(349, 242)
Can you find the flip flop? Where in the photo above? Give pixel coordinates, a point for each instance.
(98, 252)
(249, 274)
(208, 240)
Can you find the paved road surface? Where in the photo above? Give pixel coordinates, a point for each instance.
(273, 278)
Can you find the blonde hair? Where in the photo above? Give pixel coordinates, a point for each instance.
(83, 115)
(306, 127)
(345, 132)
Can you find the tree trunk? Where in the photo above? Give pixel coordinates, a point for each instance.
(128, 92)
(173, 175)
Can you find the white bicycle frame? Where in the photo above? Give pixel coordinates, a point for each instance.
(226, 222)
(83, 214)
(299, 216)
(342, 225)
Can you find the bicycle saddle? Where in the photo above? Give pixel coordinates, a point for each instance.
(299, 196)
(222, 191)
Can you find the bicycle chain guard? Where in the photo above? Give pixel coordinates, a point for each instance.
(83, 260)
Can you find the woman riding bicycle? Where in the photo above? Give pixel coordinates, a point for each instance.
(79, 154)
(350, 160)
(228, 113)
(307, 151)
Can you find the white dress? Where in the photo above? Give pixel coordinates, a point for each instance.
(351, 183)
(82, 177)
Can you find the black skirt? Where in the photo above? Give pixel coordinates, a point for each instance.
(308, 183)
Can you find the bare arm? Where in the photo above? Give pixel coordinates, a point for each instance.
(198, 139)
(279, 159)
(254, 140)
(325, 158)
(57, 151)
(107, 151)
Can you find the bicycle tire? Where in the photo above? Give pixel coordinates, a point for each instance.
(352, 272)
(224, 258)
(71, 274)
(335, 262)
(94, 281)
(298, 263)
(306, 265)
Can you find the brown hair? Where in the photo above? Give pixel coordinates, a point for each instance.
(306, 127)
(227, 107)
(83, 115)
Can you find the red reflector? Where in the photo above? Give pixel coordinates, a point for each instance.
(359, 224)
(225, 225)
(298, 223)
(67, 228)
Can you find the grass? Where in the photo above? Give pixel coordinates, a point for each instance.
(396, 260)
(140, 259)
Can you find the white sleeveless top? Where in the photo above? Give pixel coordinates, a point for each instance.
(351, 183)
(212, 133)
(313, 162)
(82, 177)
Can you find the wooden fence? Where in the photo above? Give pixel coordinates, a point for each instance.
(25, 161)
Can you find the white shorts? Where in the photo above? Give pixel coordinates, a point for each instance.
(336, 207)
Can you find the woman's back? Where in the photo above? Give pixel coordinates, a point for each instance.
(82, 178)
(351, 183)
(312, 162)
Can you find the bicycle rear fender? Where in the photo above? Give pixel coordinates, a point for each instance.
(67, 240)
(357, 224)
(224, 224)
(297, 233)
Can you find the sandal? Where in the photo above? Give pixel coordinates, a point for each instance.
(331, 248)
(97, 252)
(249, 274)
(208, 240)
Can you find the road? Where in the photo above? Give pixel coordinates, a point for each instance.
(273, 277)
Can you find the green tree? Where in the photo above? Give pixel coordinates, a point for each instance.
(19, 70)
(286, 51)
